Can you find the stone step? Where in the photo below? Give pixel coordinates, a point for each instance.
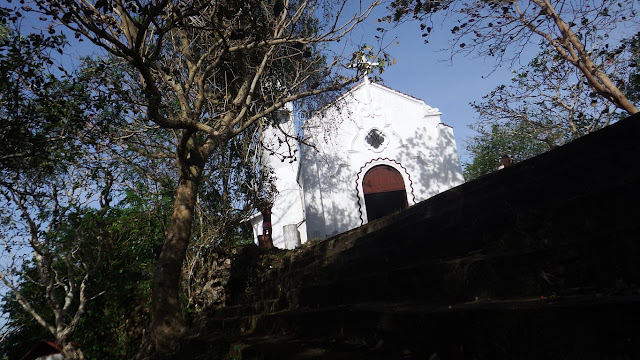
(581, 327)
(537, 261)
(526, 229)
(505, 275)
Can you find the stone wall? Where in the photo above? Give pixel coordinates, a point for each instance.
(538, 260)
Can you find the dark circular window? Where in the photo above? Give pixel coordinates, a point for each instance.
(375, 138)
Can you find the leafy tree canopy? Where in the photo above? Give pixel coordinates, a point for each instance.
(575, 32)
(547, 104)
(516, 140)
(202, 74)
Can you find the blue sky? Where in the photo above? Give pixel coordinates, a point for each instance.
(421, 70)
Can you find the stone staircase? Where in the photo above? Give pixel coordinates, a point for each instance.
(540, 260)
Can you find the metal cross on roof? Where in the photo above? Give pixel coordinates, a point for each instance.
(369, 64)
(365, 64)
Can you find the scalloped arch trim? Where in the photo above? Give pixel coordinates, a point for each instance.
(375, 162)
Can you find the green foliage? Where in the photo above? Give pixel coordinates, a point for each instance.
(232, 192)
(132, 235)
(518, 141)
(552, 97)
(547, 104)
(44, 135)
(26, 331)
(558, 96)
(52, 160)
(196, 77)
(49, 115)
(633, 86)
(36, 108)
(113, 324)
(588, 40)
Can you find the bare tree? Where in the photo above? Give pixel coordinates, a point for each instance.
(552, 98)
(574, 30)
(43, 231)
(209, 71)
(50, 174)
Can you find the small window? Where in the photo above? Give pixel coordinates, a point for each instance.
(375, 138)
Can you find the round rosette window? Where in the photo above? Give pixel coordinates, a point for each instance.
(376, 140)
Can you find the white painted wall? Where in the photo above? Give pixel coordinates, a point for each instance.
(417, 145)
(288, 206)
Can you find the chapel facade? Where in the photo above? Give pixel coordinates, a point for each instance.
(374, 151)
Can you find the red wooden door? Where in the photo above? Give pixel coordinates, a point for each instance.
(384, 191)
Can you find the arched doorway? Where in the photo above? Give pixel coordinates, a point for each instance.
(384, 191)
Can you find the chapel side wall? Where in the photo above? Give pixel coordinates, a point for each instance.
(450, 158)
(313, 207)
(431, 158)
(341, 171)
(328, 175)
(287, 204)
(256, 226)
(340, 199)
(281, 155)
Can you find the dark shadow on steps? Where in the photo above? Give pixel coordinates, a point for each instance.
(539, 260)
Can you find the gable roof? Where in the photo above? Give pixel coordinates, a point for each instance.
(384, 87)
(359, 86)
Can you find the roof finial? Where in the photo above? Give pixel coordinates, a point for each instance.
(367, 65)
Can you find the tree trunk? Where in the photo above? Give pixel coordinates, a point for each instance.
(71, 351)
(167, 326)
(573, 50)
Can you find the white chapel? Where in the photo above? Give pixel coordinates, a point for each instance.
(372, 152)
